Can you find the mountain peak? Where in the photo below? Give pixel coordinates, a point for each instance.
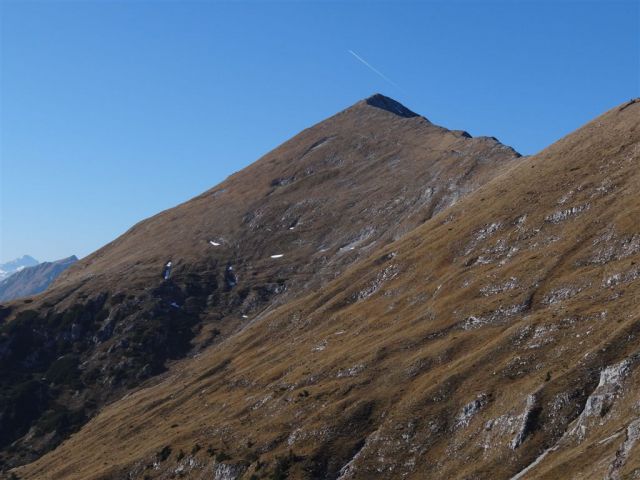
(33, 279)
(389, 104)
(8, 268)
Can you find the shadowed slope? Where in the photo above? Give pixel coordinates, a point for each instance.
(503, 328)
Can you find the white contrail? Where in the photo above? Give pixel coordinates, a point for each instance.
(372, 68)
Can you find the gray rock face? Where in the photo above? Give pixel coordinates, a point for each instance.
(223, 471)
(526, 420)
(390, 105)
(632, 435)
(602, 398)
(470, 409)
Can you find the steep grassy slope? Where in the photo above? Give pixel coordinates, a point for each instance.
(361, 177)
(318, 203)
(500, 339)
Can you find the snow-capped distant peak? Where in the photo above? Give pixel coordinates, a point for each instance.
(9, 268)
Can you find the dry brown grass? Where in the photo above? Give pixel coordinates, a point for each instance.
(346, 186)
(392, 350)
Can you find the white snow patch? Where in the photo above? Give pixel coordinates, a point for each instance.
(167, 270)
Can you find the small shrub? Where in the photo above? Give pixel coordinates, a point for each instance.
(252, 457)
(222, 456)
(283, 465)
(59, 419)
(163, 454)
(64, 371)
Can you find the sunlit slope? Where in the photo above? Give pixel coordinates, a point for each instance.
(367, 174)
(281, 228)
(503, 328)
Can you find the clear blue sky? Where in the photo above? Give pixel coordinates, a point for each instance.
(113, 111)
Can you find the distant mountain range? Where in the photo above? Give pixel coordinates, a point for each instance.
(9, 268)
(29, 278)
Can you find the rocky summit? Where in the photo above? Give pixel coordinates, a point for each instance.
(378, 297)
